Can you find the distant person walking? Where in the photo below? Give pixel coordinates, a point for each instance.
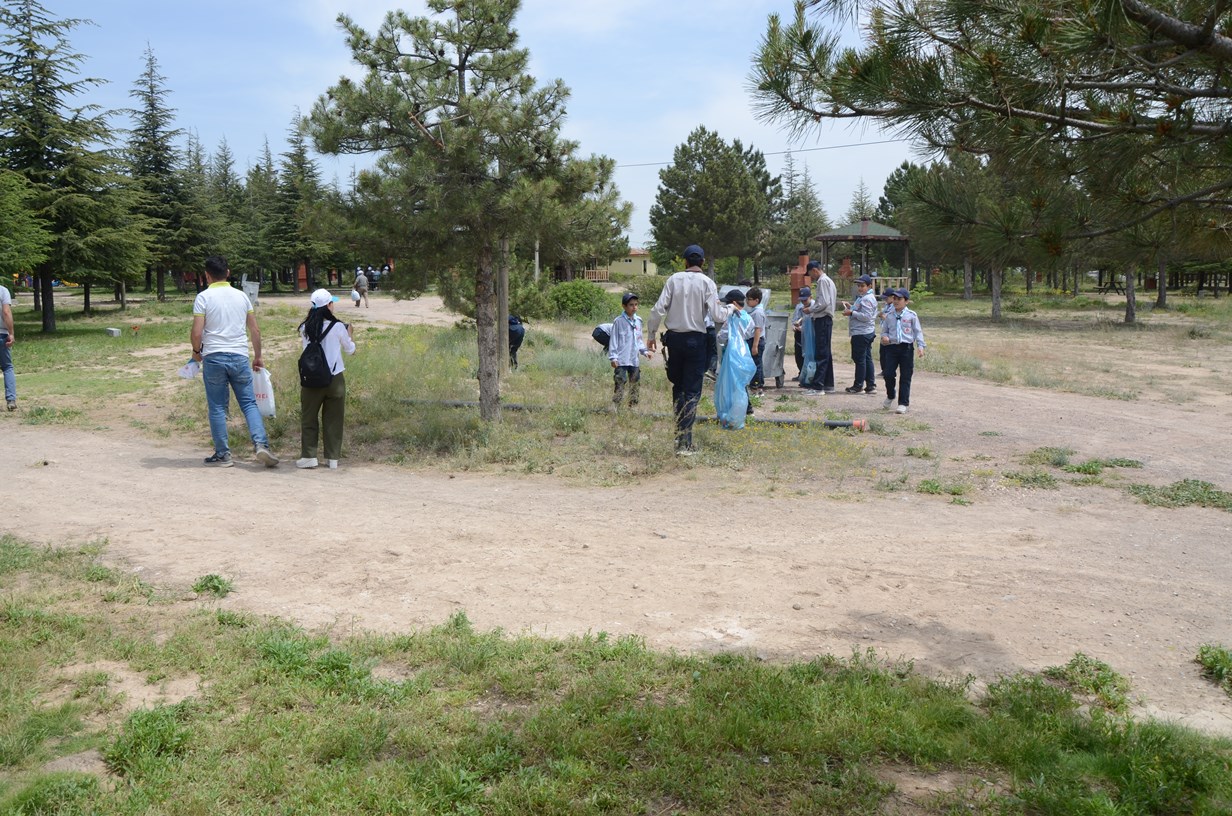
(223, 321)
(329, 401)
(688, 298)
(7, 336)
(361, 286)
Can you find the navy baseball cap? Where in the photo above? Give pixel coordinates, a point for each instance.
(693, 251)
(734, 296)
(628, 296)
(813, 265)
(805, 292)
(865, 279)
(905, 294)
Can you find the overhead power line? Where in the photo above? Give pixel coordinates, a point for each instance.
(784, 152)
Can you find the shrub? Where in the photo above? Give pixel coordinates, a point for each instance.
(581, 300)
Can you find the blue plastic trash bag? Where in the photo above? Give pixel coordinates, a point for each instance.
(731, 400)
(810, 351)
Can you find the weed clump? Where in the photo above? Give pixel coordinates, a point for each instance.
(1183, 494)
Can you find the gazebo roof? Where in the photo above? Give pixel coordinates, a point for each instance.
(860, 231)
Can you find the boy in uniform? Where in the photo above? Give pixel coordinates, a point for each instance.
(901, 335)
(758, 344)
(862, 326)
(624, 349)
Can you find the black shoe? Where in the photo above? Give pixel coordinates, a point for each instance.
(219, 460)
(855, 389)
(872, 389)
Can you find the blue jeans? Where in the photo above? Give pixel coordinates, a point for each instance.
(6, 365)
(222, 374)
(686, 368)
(862, 356)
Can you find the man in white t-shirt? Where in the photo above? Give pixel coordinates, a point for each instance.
(222, 322)
(6, 348)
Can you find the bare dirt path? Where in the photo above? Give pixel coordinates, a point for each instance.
(1018, 580)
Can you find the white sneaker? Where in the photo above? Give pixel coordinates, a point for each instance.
(888, 404)
(333, 464)
(265, 457)
(306, 463)
(902, 409)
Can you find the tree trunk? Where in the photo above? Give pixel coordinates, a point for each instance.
(162, 285)
(489, 348)
(1161, 282)
(149, 281)
(967, 278)
(740, 268)
(85, 298)
(994, 281)
(1131, 297)
(123, 296)
(1029, 276)
(49, 303)
(502, 307)
(37, 288)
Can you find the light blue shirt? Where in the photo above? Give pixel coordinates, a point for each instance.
(626, 343)
(904, 327)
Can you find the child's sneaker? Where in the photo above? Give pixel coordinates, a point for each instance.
(333, 464)
(219, 460)
(887, 404)
(902, 409)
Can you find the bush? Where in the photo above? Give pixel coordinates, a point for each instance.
(581, 300)
(646, 287)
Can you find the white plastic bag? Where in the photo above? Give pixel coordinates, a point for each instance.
(190, 369)
(355, 295)
(263, 390)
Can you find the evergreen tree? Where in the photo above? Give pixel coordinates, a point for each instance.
(77, 187)
(861, 205)
(465, 134)
(154, 160)
(24, 239)
(299, 207)
(803, 216)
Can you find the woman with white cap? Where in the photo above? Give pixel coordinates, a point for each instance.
(328, 401)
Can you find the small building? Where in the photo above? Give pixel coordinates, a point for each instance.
(637, 262)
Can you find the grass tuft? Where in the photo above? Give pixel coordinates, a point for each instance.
(1057, 457)
(1216, 663)
(1183, 494)
(213, 584)
(1036, 479)
(1096, 678)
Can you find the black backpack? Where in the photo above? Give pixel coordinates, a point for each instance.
(601, 337)
(314, 371)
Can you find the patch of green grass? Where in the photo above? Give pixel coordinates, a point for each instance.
(937, 487)
(452, 719)
(991, 433)
(1088, 481)
(1091, 467)
(45, 415)
(920, 452)
(888, 484)
(1036, 479)
(213, 584)
(1216, 663)
(1096, 678)
(1183, 494)
(1057, 457)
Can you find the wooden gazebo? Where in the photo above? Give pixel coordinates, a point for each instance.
(863, 233)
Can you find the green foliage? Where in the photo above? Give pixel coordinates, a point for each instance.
(57, 794)
(1216, 663)
(1057, 457)
(1183, 494)
(1094, 677)
(1040, 479)
(212, 584)
(581, 300)
(149, 736)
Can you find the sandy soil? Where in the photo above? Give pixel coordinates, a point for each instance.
(1020, 579)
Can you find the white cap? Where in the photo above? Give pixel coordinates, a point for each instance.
(322, 297)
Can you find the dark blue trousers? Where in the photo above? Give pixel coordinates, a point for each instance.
(686, 367)
(823, 379)
(862, 356)
(898, 359)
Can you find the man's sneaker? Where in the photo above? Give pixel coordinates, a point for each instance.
(814, 392)
(12, 406)
(888, 404)
(306, 463)
(685, 451)
(219, 460)
(855, 389)
(333, 464)
(872, 389)
(710, 375)
(265, 457)
(902, 409)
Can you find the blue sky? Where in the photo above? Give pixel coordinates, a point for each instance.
(643, 74)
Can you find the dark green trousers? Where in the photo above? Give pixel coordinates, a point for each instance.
(322, 407)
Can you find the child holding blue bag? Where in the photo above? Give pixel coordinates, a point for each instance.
(731, 397)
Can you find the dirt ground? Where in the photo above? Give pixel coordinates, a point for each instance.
(1020, 579)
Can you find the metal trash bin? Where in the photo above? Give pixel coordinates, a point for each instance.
(252, 289)
(776, 347)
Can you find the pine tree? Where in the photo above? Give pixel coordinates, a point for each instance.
(24, 239)
(861, 205)
(154, 160)
(465, 135)
(77, 186)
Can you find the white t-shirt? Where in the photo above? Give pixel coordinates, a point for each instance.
(226, 319)
(6, 299)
